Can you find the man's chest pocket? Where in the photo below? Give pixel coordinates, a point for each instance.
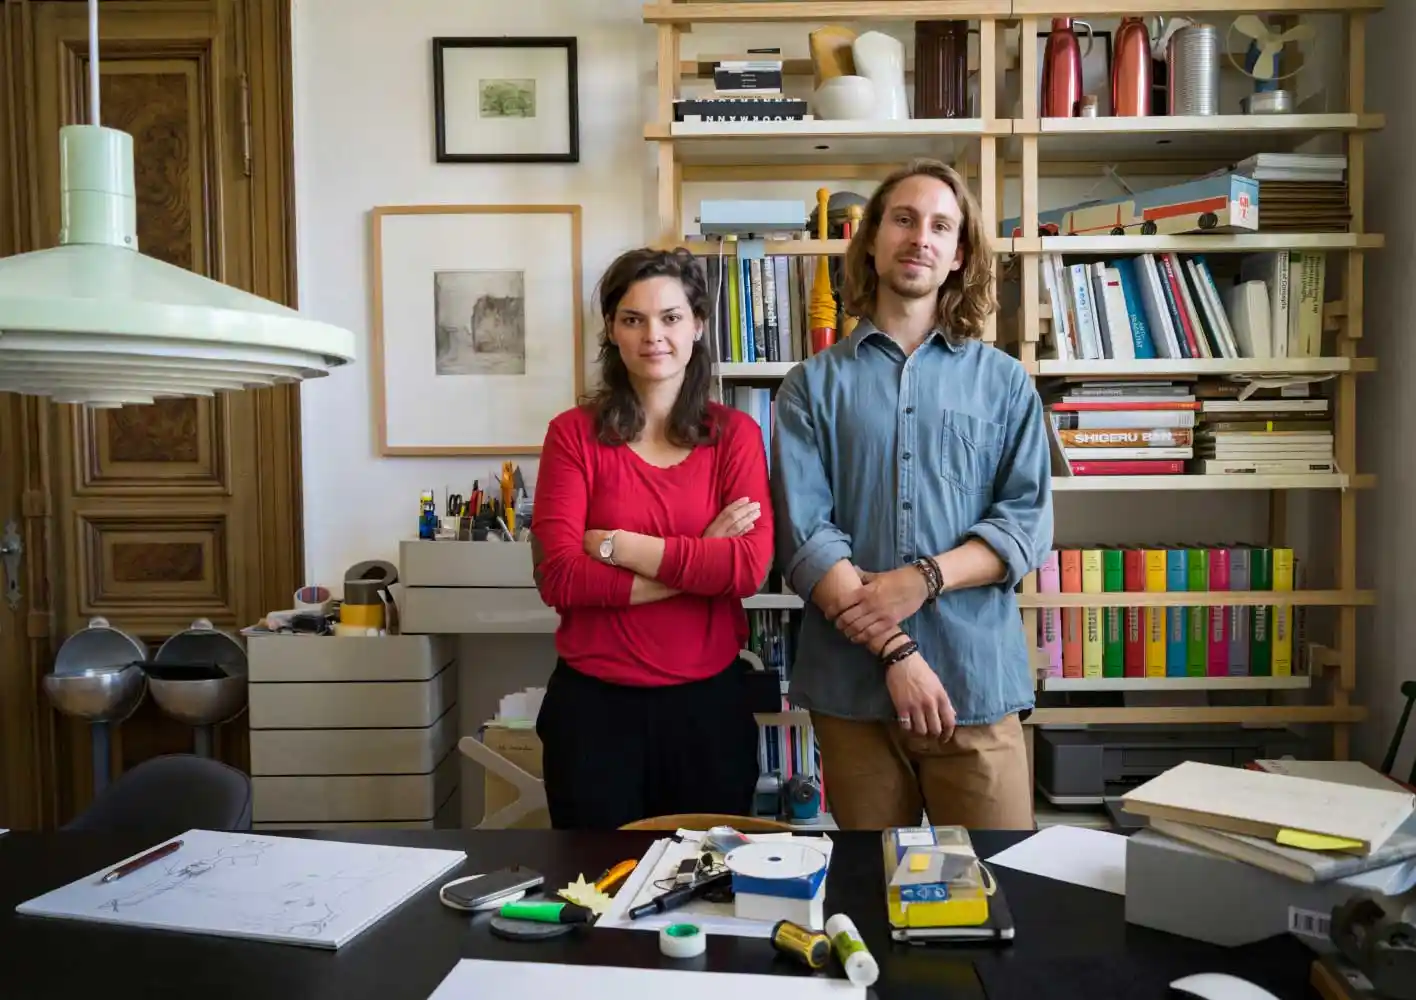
(969, 451)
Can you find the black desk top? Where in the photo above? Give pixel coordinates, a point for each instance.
(1071, 941)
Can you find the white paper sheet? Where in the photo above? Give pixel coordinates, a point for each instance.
(289, 890)
(476, 979)
(661, 862)
(1092, 858)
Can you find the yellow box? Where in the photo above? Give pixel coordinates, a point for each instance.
(933, 878)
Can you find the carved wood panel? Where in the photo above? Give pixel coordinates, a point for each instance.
(162, 514)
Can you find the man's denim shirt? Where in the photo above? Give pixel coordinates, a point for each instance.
(879, 458)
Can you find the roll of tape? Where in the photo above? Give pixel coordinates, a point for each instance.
(377, 571)
(345, 629)
(682, 940)
(367, 615)
(316, 599)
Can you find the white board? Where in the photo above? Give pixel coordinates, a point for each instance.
(476, 979)
(289, 890)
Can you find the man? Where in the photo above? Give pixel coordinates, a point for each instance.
(911, 480)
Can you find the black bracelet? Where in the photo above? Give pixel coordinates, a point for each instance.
(899, 634)
(933, 576)
(898, 654)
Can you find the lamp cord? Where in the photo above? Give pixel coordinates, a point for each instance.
(93, 61)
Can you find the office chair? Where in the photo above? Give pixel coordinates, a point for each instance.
(1408, 691)
(168, 795)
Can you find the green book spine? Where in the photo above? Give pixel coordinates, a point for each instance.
(1113, 635)
(1197, 633)
(1261, 620)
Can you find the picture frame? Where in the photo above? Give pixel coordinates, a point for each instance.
(471, 310)
(506, 100)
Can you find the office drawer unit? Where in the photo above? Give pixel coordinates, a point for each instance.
(459, 587)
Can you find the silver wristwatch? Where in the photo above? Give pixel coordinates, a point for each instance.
(607, 549)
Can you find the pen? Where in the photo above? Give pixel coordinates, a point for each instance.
(142, 861)
(675, 898)
(547, 913)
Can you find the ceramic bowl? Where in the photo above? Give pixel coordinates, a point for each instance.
(844, 98)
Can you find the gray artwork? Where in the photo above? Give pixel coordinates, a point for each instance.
(507, 98)
(481, 322)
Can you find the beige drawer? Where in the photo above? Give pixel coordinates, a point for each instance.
(464, 564)
(355, 798)
(353, 751)
(449, 817)
(353, 704)
(476, 609)
(291, 658)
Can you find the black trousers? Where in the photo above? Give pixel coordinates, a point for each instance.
(612, 754)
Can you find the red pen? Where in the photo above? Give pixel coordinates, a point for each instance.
(142, 861)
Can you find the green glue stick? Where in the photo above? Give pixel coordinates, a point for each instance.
(546, 913)
(860, 965)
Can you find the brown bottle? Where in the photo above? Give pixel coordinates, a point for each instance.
(1062, 69)
(1131, 70)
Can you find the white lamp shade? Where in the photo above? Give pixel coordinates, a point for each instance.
(95, 321)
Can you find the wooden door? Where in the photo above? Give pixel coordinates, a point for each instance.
(148, 516)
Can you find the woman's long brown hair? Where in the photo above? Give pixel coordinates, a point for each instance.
(619, 416)
(967, 297)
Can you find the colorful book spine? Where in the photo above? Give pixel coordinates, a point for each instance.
(1133, 657)
(1049, 620)
(1238, 615)
(1071, 560)
(1093, 645)
(1197, 617)
(1218, 660)
(1261, 617)
(1283, 614)
(1113, 647)
(1176, 618)
(1155, 617)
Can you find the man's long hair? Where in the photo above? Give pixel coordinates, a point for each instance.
(967, 296)
(619, 416)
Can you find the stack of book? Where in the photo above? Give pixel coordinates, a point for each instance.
(1125, 428)
(1270, 431)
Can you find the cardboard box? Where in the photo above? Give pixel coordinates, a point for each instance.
(521, 746)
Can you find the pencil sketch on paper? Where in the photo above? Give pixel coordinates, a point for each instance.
(506, 98)
(480, 319)
(286, 889)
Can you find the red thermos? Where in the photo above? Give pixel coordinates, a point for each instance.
(1131, 70)
(1062, 69)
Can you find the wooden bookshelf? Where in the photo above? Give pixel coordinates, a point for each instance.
(1025, 149)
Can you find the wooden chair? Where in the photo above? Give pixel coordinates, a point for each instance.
(706, 821)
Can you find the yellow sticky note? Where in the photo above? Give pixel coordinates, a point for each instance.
(1316, 841)
(919, 862)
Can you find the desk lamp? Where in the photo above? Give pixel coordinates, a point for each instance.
(96, 322)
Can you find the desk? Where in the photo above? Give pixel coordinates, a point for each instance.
(1067, 936)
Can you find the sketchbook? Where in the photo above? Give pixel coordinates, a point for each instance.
(287, 890)
(474, 979)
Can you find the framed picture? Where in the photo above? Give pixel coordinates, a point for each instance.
(505, 100)
(476, 326)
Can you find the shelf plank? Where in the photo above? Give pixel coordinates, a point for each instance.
(1197, 714)
(764, 11)
(820, 141)
(1083, 684)
(784, 248)
(1181, 367)
(745, 370)
(1080, 8)
(1203, 598)
(1198, 243)
(772, 602)
(1201, 483)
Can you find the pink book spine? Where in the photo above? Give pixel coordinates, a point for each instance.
(1219, 615)
(1049, 581)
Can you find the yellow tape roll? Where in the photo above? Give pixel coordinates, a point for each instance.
(367, 615)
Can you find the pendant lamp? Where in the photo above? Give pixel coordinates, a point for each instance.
(96, 322)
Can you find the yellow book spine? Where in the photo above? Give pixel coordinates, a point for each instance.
(1155, 617)
(1093, 581)
(1283, 615)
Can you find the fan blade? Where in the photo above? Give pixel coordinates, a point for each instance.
(1253, 26)
(1266, 64)
(1298, 33)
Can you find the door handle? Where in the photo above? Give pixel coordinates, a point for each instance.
(11, 548)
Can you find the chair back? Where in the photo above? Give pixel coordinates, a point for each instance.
(168, 795)
(1408, 691)
(706, 821)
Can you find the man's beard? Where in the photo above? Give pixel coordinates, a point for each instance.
(907, 288)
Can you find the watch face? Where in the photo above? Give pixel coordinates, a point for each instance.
(607, 548)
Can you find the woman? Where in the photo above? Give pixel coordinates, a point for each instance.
(652, 523)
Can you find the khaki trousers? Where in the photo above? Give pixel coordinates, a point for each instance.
(877, 775)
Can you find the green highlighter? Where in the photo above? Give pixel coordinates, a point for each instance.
(547, 913)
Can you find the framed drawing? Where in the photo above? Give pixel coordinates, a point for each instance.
(476, 326)
(505, 100)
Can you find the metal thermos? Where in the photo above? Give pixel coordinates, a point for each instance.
(1131, 70)
(1062, 69)
(1192, 70)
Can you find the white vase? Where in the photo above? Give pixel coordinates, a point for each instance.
(880, 58)
(845, 98)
